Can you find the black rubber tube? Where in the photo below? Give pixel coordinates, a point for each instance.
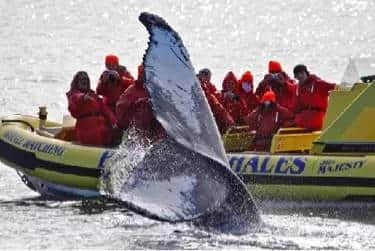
(19, 121)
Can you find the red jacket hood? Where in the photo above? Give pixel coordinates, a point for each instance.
(229, 77)
(246, 77)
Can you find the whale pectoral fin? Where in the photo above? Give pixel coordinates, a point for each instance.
(168, 184)
(187, 176)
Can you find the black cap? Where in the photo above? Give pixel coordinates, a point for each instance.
(299, 68)
(205, 71)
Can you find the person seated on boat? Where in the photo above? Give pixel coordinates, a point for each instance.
(111, 86)
(222, 117)
(246, 90)
(95, 121)
(231, 100)
(204, 77)
(279, 82)
(133, 109)
(112, 63)
(312, 98)
(124, 73)
(113, 82)
(265, 120)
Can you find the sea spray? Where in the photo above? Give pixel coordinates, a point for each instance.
(117, 170)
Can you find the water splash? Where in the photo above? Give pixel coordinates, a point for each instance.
(126, 157)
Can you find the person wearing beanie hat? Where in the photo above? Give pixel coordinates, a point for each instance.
(133, 109)
(269, 96)
(231, 99)
(312, 98)
(284, 87)
(265, 120)
(246, 90)
(274, 67)
(113, 81)
(111, 62)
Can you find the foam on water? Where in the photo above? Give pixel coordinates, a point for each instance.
(121, 181)
(117, 172)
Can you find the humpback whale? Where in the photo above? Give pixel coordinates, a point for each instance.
(186, 177)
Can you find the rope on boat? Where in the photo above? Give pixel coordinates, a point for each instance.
(19, 121)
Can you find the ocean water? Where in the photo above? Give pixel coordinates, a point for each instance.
(43, 43)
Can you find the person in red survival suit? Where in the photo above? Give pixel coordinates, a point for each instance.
(246, 90)
(204, 76)
(223, 119)
(134, 109)
(95, 121)
(231, 100)
(112, 63)
(113, 81)
(312, 98)
(281, 84)
(265, 120)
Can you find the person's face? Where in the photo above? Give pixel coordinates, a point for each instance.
(247, 86)
(301, 76)
(230, 85)
(204, 77)
(83, 83)
(278, 77)
(111, 66)
(267, 104)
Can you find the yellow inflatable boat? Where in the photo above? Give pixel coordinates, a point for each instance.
(333, 164)
(48, 165)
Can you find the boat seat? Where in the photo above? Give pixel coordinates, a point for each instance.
(238, 139)
(66, 134)
(293, 140)
(67, 131)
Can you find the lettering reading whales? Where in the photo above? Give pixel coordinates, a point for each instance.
(187, 176)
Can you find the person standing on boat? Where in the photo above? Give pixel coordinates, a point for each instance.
(265, 120)
(223, 119)
(312, 98)
(246, 90)
(134, 109)
(281, 84)
(95, 121)
(231, 100)
(113, 81)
